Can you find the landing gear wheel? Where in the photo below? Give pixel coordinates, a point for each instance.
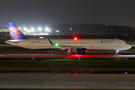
(68, 54)
(116, 52)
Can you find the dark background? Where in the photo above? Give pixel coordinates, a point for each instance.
(57, 12)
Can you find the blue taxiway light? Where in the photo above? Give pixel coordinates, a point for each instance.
(126, 58)
(125, 72)
(32, 58)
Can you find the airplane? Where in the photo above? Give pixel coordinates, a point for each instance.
(80, 46)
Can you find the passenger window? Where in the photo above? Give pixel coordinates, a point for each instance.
(33, 42)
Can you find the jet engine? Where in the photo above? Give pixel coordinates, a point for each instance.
(82, 51)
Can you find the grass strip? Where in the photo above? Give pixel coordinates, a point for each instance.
(46, 65)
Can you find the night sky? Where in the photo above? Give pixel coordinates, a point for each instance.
(56, 12)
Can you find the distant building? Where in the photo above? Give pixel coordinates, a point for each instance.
(4, 29)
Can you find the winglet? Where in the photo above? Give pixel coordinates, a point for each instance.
(50, 41)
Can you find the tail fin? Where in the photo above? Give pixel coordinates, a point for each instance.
(15, 33)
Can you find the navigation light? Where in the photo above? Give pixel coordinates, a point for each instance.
(75, 38)
(56, 44)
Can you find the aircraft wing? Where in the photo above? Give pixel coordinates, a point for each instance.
(64, 47)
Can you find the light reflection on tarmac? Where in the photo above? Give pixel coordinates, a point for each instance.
(69, 80)
(64, 56)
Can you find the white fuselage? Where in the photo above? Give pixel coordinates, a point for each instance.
(89, 44)
(31, 43)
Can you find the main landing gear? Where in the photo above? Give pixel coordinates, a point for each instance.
(69, 52)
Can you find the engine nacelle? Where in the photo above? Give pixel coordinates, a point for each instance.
(82, 51)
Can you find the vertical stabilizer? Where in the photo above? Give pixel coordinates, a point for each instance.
(15, 33)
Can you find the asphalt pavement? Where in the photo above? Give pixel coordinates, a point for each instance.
(66, 81)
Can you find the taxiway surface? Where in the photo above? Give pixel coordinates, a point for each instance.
(66, 81)
(64, 56)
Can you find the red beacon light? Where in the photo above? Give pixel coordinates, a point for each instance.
(75, 38)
